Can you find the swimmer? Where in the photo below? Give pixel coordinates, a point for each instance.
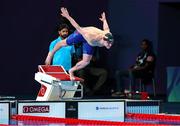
(88, 36)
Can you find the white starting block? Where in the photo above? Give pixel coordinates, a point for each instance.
(56, 84)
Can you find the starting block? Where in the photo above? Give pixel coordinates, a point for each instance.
(56, 84)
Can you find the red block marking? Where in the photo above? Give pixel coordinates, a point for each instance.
(64, 77)
(52, 68)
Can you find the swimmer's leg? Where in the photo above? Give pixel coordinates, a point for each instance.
(81, 64)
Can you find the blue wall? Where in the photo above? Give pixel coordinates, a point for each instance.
(168, 40)
(131, 21)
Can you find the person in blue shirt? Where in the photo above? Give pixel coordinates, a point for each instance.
(63, 56)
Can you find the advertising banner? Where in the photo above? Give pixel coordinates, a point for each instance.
(47, 109)
(110, 111)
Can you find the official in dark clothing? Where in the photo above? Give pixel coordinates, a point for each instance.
(143, 68)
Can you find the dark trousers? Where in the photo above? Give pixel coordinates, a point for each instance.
(131, 75)
(86, 74)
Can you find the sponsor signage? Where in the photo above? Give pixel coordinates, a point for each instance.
(4, 113)
(36, 109)
(47, 109)
(110, 111)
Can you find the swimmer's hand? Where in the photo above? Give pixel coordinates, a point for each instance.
(103, 17)
(64, 12)
(48, 59)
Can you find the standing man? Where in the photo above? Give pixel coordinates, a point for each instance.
(63, 56)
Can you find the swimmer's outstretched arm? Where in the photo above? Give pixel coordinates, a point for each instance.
(56, 47)
(105, 24)
(65, 13)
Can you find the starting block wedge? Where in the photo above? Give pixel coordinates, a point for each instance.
(56, 84)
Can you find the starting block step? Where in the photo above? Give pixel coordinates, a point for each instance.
(48, 68)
